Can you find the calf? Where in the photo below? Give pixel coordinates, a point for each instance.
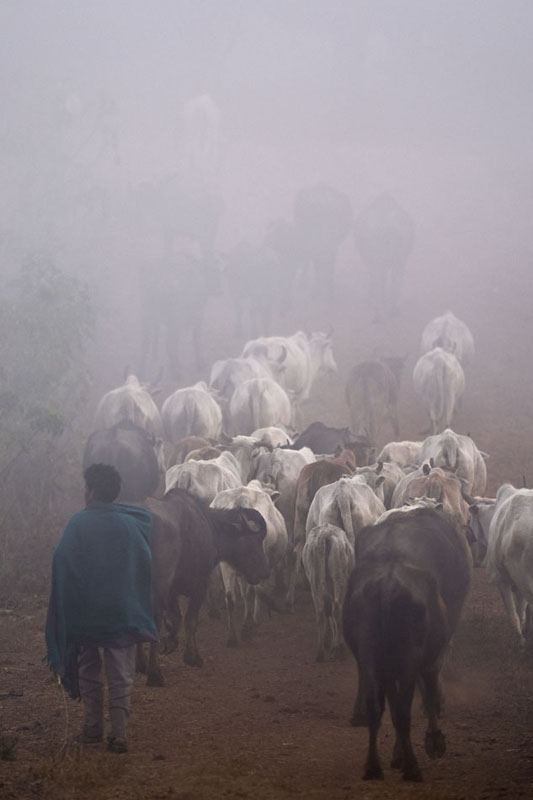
(328, 560)
(402, 606)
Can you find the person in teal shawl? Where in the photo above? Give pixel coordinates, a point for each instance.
(101, 598)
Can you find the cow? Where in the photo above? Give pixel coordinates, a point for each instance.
(441, 485)
(349, 503)
(403, 453)
(383, 477)
(311, 478)
(191, 411)
(384, 237)
(403, 602)
(203, 454)
(132, 401)
(302, 358)
(258, 403)
(272, 436)
(459, 453)
(229, 373)
(509, 558)
(372, 392)
(188, 540)
(321, 438)
(328, 560)
(481, 513)
(439, 381)
(282, 468)
(205, 478)
(452, 334)
(134, 452)
(275, 548)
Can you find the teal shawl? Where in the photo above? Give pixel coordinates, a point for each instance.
(101, 585)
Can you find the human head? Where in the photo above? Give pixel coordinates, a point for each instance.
(102, 483)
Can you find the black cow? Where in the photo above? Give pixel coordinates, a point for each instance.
(322, 439)
(133, 451)
(188, 540)
(402, 606)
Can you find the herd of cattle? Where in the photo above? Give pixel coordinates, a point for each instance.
(386, 543)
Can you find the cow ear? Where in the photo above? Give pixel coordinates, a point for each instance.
(439, 506)
(474, 510)
(426, 469)
(379, 481)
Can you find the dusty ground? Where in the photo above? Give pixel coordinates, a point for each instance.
(265, 720)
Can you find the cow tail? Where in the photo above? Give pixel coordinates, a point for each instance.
(346, 517)
(328, 605)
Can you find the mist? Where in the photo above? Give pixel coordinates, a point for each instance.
(429, 102)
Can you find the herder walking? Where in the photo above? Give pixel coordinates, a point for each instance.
(101, 600)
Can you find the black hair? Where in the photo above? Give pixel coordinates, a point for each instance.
(104, 482)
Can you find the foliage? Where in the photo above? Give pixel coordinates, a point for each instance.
(46, 319)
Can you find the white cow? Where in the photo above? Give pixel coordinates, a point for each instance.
(459, 453)
(439, 380)
(282, 468)
(191, 411)
(131, 401)
(303, 358)
(229, 373)
(450, 333)
(383, 477)
(272, 436)
(509, 559)
(259, 403)
(328, 560)
(349, 503)
(402, 453)
(205, 479)
(275, 546)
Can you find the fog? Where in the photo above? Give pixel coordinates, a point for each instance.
(428, 101)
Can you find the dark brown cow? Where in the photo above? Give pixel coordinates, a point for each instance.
(372, 392)
(188, 540)
(402, 606)
(322, 438)
(311, 478)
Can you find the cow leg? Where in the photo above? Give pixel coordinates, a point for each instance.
(435, 742)
(191, 656)
(509, 603)
(359, 717)
(340, 650)
(229, 580)
(401, 700)
(213, 592)
(375, 705)
(520, 605)
(172, 620)
(294, 561)
(248, 624)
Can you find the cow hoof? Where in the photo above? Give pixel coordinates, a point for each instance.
(373, 774)
(193, 660)
(155, 680)
(435, 744)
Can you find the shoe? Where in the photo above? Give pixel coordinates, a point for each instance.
(117, 744)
